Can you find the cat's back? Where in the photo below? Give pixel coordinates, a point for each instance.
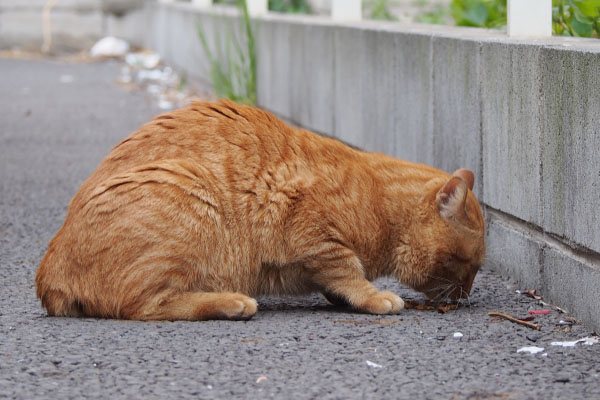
(235, 143)
(204, 132)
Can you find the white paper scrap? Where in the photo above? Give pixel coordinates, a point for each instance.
(588, 341)
(373, 365)
(530, 349)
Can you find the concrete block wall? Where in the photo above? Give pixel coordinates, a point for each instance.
(510, 131)
(523, 114)
(571, 146)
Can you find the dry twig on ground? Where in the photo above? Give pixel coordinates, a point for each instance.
(515, 320)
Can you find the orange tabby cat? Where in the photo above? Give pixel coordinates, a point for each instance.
(205, 207)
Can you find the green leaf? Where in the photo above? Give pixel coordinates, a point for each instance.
(580, 28)
(477, 15)
(290, 6)
(557, 28)
(581, 17)
(381, 11)
(587, 4)
(570, 17)
(584, 11)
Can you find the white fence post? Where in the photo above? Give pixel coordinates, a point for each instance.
(257, 8)
(346, 10)
(530, 18)
(202, 3)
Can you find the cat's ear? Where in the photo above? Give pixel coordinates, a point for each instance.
(452, 196)
(467, 175)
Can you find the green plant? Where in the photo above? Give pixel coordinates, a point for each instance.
(479, 13)
(437, 16)
(576, 18)
(290, 6)
(232, 63)
(569, 17)
(381, 11)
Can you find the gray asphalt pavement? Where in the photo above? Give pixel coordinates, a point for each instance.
(55, 130)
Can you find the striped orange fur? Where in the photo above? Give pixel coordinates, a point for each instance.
(206, 207)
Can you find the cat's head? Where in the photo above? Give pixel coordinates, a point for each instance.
(450, 247)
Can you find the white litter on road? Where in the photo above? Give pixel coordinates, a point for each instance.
(530, 349)
(110, 46)
(147, 75)
(588, 341)
(457, 335)
(373, 365)
(165, 104)
(163, 83)
(148, 60)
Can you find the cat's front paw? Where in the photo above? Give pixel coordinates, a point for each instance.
(383, 303)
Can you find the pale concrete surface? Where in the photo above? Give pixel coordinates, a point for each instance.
(311, 61)
(514, 251)
(457, 115)
(511, 131)
(75, 25)
(275, 70)
(53, 134)
(411, 88)
(364, 89)
(571, 145)
(573, 279)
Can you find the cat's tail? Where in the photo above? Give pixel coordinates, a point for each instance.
(52, 289)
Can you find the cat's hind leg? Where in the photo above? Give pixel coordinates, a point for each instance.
(195, 306)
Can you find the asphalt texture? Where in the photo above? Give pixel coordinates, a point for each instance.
(55, 130)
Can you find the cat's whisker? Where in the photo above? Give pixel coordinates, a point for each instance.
(440, 287)
(435, 299)
(439, 278)
(443, 295)
(467, 296)
(448, 299)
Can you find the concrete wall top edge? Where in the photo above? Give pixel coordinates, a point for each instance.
(450, 32)
(216, 9)
(20, 5)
